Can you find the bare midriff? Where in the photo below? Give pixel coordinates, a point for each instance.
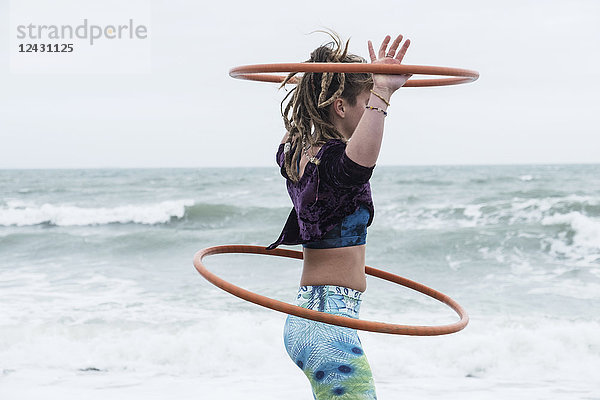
(342, 266)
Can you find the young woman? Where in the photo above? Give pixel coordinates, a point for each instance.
(334, 124)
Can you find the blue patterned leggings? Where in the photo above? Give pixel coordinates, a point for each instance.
(330, 356)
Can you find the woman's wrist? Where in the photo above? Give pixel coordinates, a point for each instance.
(384, 92)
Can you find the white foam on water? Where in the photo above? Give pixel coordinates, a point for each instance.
(279, 385)
(580, 242)
(526, 178)
(100, 332)
(464, 215)
(563, 234)
(233, 354)
(18, 213)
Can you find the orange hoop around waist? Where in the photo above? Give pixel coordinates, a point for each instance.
(372, 326)
(262, 72)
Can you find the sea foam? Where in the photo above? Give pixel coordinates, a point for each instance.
(26, 214)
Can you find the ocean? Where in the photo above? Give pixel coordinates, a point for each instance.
(99, 297)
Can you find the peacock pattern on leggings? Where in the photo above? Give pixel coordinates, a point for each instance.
(330, 356)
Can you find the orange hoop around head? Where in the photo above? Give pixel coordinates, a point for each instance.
(260, 72)
(324, 317)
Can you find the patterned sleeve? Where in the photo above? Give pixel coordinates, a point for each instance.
(341, 171)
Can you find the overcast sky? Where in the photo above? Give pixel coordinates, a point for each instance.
(535, 102)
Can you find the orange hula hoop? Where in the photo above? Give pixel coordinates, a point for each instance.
(262, 72)
(363, 325)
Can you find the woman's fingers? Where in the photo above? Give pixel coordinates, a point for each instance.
(371, 51)
(394, 46)
(384, 46)
(392, 51)
(402, 51)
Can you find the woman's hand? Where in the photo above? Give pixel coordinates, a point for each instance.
(389, 83)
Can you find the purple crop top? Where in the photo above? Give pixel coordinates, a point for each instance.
(325, 194)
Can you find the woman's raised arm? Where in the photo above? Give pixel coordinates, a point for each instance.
(366, 140)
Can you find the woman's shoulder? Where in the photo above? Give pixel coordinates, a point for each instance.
(339, 169)
(332, 145)
(332, 149)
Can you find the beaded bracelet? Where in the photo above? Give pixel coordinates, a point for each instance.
(387, 103)
(377, 109)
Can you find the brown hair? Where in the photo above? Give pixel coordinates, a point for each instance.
(315, 91)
